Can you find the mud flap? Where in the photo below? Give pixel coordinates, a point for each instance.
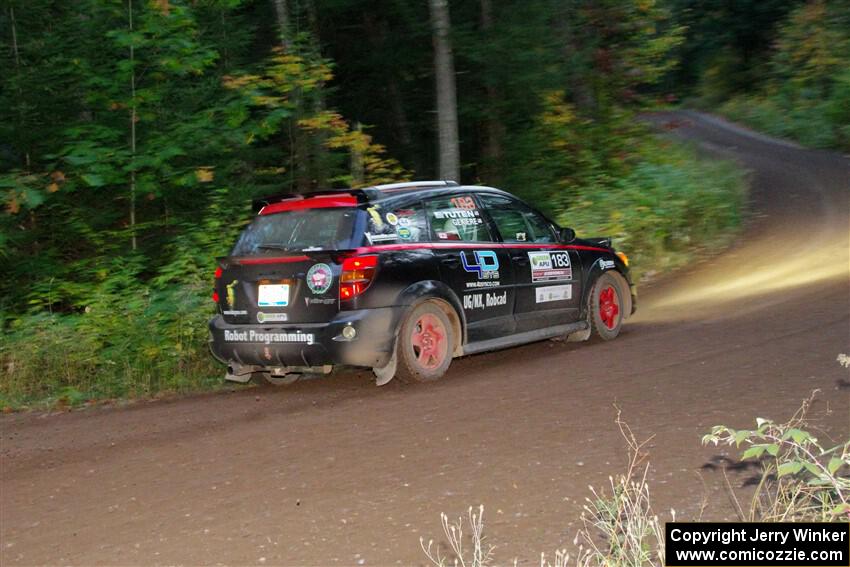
(386, 373)
(578, 336)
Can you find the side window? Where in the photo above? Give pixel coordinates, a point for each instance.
(516, 222)
(541, 229)
(457, 218)
(395, 225)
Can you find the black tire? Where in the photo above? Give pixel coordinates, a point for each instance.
(427, 361)
(605, 307)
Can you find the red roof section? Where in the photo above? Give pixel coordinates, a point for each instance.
(317, 202)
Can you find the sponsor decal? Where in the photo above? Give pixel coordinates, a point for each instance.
(550, 266)
(231, 294)
(319, 278)
(466, 222)
(404, 221)
(271, 317)
(376, 216)
(553, 293)
(308, 301)
(234, 313)
(392, 218)
(486, 264)
(267, 337)
(443, 235)
(463, 202)
(404, 233)
(464, 212)
(484, 300)
(373, 238)
(456, 214)
(521, 236)
(606, 264)
(491, 283)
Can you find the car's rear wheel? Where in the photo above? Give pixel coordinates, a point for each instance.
(606, 307)
(425, 344)
(280, 379)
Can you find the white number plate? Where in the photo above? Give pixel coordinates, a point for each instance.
(273, 295)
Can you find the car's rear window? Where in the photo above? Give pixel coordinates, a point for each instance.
(294, 231)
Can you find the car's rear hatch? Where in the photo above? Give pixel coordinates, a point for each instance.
(285, 266)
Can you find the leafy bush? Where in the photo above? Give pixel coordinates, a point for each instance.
(130, 333)
(800, 478)
(809, 123)
(669, 205)
(654, 196)
(132, 342)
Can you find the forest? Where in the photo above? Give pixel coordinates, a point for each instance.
(134, 134)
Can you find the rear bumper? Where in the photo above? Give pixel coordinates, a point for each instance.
(308, 344)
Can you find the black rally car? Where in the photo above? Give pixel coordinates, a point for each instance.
(402, 278)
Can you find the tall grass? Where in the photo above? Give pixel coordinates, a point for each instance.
(117, 347)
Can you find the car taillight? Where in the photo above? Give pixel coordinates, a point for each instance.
(218, 272)
(357, 273)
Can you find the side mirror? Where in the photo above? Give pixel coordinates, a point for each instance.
(567, 235)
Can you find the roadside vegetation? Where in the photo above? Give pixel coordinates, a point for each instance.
(133, 135)
(791, 78)
(799, 479)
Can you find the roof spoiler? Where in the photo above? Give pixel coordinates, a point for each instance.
(258, 204)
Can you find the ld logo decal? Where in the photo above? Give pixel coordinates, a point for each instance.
(486, 264)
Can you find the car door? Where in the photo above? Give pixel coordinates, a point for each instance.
(546, 273)
(473, 265)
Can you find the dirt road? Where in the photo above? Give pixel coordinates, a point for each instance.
(338, 471)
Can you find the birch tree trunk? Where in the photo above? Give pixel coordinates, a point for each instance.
(133, 120)
(444, 69)
(582, 93)
(299, 152)
(281, 11)
(376, 31)
(494, 130)
(18, 69)
(319, 153)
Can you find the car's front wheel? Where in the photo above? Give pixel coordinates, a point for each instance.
(606, 307)
(425, 344)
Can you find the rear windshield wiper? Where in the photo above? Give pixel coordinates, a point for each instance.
(282, 247)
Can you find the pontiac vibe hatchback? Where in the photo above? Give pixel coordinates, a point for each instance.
(402, 278)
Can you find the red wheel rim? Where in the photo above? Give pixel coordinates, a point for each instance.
(609, 306)
(428, 338)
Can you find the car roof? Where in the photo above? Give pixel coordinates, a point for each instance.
(397, 192)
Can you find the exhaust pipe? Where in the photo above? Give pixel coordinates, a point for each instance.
(238, 372)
